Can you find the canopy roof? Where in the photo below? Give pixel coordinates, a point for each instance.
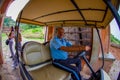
(68, 13)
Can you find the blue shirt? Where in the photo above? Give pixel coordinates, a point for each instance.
(55, 45)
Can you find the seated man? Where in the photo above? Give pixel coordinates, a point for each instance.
(59, 47)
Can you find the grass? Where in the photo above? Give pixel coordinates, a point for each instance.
(41, 40)
(4, 36)
(4, 46)
(35, 39)
(114, 40)
(34, 34)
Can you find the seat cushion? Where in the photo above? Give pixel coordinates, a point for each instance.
(35, 53)
(49, 72)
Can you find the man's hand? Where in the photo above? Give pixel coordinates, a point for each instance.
(87, 48)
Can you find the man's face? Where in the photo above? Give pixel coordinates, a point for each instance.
(60, 33)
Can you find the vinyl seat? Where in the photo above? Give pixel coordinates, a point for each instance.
(38, 63)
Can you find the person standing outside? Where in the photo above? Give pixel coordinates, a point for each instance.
(59, 48)
(11, 37)
(18, 46)
(18, 39)
(11, 41)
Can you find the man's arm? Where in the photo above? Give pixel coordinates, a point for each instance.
(74, 48)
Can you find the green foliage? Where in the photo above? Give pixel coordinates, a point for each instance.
(114, 40)
(35, 39)
(4, 36)
(8, 22)
(29, 31)
(28, 26)
(34, 33)
(36, 30)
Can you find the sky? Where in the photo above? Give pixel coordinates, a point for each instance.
(115, 29)
(15, 8)
(17, 5)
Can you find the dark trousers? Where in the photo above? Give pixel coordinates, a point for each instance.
(66, 65)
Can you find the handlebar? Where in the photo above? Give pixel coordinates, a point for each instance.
(82, 54)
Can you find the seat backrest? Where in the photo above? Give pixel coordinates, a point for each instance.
(34, 53)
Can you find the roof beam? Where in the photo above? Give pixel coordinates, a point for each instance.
(105, 14)
(73, 2)
(114, 11)
(64, 12)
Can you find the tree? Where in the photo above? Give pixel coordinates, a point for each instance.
(8, 22)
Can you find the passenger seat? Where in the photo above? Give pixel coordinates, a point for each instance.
(38, 63)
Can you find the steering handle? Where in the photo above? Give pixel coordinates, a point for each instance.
(82, 53)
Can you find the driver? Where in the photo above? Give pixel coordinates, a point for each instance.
(60, 47)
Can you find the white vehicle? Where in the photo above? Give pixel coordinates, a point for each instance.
(87, 16)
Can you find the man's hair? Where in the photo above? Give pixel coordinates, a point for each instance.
(58, 28)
